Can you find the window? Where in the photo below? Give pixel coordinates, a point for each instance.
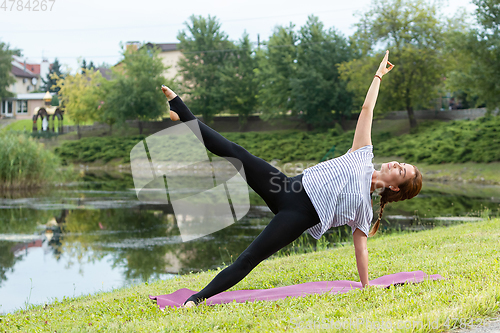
(22, 107)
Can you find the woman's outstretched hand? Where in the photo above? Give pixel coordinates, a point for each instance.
(383, 69)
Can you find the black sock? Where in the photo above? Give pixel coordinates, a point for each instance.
(181, 109)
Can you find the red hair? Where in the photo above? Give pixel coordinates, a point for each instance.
(407, 190)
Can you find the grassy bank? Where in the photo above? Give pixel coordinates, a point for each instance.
(466, 255)
(433, 143)
(470, 172)
(27, 125)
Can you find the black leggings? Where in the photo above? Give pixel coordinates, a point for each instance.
(284, 195)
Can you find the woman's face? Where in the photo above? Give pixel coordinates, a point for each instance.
(395, 173)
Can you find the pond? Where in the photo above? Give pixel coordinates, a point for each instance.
(94, 235)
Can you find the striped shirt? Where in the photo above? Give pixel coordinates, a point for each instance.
(339, 190)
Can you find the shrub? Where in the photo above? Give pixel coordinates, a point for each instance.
(24, 163)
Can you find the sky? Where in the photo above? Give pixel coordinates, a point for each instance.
(72, 30)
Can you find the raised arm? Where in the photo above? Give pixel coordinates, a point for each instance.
(363, 134)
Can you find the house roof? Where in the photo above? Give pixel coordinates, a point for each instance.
(165, 47)
(105, 72)
(19, 72)
(32, 96)
(33, 68)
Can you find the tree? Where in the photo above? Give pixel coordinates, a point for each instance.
(83, 66)
(477, 54)
(79, 96)
(134, 93)
(5, 68)
(277, 68)
(414, 34)
(110, 109)
(55, 101)
(317, 87)
(50, 82)
(205, 48)
(238, 81)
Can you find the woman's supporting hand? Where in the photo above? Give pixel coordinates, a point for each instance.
(383, 69)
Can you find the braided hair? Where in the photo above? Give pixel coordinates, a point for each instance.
(407, 190)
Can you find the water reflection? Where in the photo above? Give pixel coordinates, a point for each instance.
(95, 235)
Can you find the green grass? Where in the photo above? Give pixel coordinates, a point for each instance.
(466, 255)
(27, 125)
(486, 173)
(433, 143)
(447, 142)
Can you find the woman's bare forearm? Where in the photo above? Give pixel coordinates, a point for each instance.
(361, 252)
(363, 133)
(362, 265)
(371, 97)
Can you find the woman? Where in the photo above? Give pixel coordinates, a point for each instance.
(331, 193)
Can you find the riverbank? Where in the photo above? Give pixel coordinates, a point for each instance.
(466, 255)
(459, 173)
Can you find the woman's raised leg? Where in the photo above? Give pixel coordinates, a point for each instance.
(263, 178)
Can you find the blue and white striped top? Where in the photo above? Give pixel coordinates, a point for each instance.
(339, 190)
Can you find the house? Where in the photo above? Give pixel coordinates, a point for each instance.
(24, 102)
(169, 54)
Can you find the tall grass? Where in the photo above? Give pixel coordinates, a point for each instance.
(24, 163)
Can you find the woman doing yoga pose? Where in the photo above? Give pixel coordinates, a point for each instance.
(329, 194)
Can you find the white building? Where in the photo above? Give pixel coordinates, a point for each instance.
(27, 76)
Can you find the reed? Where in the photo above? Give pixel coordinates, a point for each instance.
(25, 163)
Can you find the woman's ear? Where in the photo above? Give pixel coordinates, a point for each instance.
(394, 188)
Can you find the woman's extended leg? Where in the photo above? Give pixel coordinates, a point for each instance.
(263, 178)
(284, 228)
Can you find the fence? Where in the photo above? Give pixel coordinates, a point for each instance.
(469, 114)
(220, 124)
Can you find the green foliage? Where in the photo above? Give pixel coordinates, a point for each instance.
(24, 163)
(286, 146)
(415, 36)
(318, 92)
(477, 53)
(50, 82)
(433, 143)
(85, 66)
(93, 149)
(277, 67)
(5, 67)
(55, 101)
(79, 95)
(455, 142)
(239, 84)
(135, 92)
(206, 48)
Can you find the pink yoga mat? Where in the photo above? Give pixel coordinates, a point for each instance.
(176, 299)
